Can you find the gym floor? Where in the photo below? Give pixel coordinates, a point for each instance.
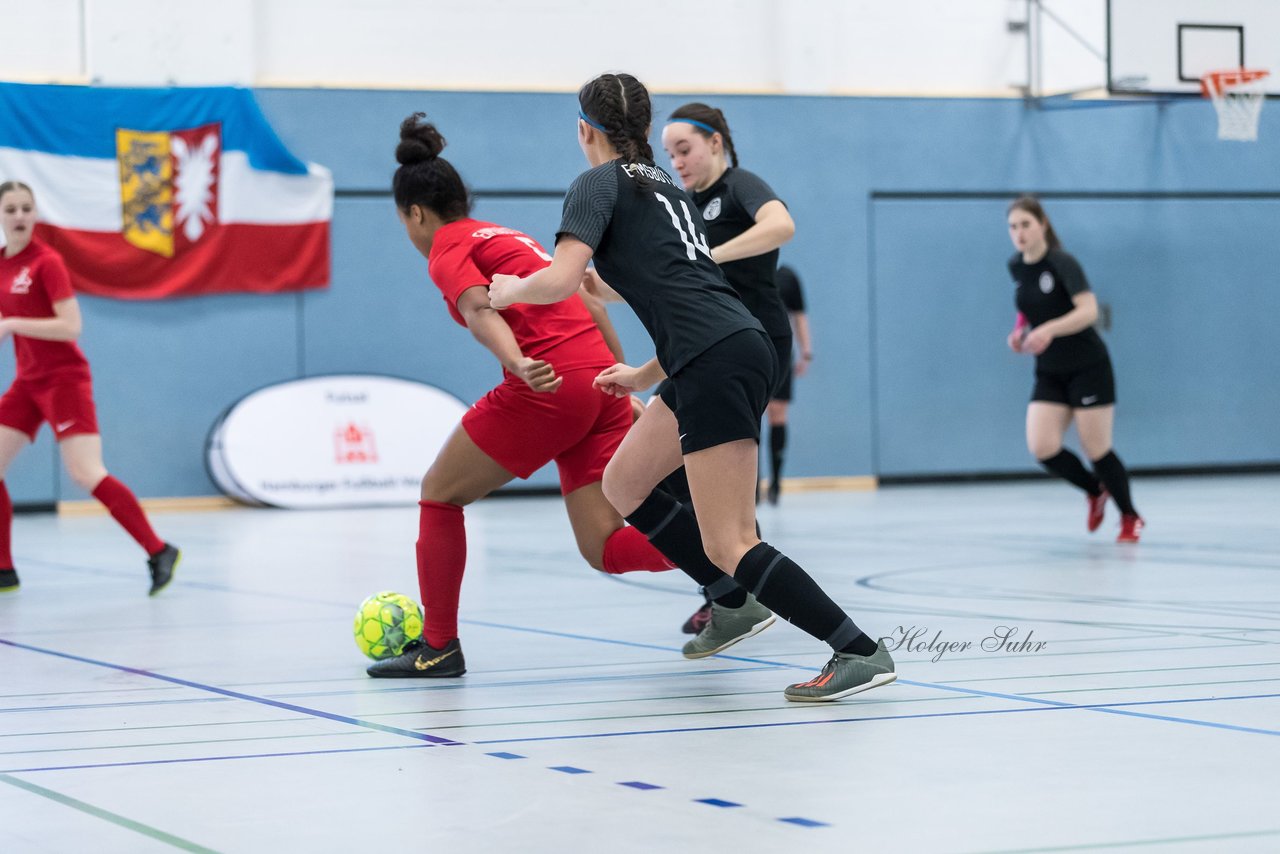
(1056, 691)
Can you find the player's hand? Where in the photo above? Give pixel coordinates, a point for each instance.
(1016, 337)
(537, 374)
(619, 380)
(503, 291)
(802, 365)
(1037, 341)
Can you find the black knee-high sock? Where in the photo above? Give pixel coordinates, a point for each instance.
(1113, 473)
(787, 590)
(673, 530)
(777, 444)
(1067, 466)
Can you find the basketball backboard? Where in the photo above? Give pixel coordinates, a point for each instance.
(1162, 47)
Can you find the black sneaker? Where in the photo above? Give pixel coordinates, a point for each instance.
(422, 661)
(8, 580)
(162, 564)
(775, 489)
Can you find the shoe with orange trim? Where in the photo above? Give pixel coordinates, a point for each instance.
(844, 675)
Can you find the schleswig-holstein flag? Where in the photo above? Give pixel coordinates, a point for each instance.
(153, 193)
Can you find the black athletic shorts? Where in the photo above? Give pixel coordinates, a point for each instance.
(1092, 385)
(721, 394)
(782, 346)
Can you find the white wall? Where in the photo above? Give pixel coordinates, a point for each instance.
(948, 47)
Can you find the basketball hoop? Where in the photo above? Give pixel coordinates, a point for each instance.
(1237, 95)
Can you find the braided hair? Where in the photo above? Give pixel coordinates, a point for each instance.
(711, 117)
(620, 104)
(424, 178)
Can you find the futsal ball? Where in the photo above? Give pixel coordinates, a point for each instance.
(386, 623)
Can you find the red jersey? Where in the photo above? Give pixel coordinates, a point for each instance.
(468, 252)
(30, 283)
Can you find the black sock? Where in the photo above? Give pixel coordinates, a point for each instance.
(1113, 473)
(787, 590)
(677, 485)
(673, 530)
(1067, 466)
(777, 444)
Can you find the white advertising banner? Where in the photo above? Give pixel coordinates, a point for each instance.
(337, 441)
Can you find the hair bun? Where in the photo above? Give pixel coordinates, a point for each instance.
(419, 141)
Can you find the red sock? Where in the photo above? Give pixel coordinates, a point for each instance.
(628, 550)
(442, 557)
(124, 507)
(6, 527)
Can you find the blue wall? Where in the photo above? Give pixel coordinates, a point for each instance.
(901, 245)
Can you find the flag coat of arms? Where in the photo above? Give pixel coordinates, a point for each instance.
(153, 193)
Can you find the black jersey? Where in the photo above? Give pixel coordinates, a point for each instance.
(789, 289)
(650, 246)
(1044, 293)
(729, 207)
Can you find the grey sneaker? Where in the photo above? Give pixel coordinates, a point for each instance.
(728, 626)
(845, 674)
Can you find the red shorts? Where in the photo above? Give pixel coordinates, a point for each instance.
(579, 427)
(67, 405)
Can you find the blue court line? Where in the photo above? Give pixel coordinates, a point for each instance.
(1102, 708)
(141, 762)
(716, 802)
(1113, 708)
(289, 707)
(431, 740)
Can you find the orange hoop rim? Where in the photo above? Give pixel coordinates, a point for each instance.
(1218, 81)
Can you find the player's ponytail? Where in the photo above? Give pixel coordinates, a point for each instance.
(424, 178)
(618, 106)
(1031, 205)
(707, 121)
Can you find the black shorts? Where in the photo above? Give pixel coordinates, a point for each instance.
(720, 396)
(782, 389)
(1092, 385)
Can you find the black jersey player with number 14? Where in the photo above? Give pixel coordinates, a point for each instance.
(648, 242)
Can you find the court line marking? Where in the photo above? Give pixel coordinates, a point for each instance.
(432, 740)
(1108, 707)
(136, 763)
(105, 815)
(236, 695)
(1131, 842)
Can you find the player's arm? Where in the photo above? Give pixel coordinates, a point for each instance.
(603, 322)
(598, 287)
(65, 324)
(773, 227)
(490, 329)
(556, 282)
(622, 380)
(1084, 315)
(800, 324)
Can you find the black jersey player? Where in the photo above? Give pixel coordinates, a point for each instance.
(1074, 380)
(648, 241)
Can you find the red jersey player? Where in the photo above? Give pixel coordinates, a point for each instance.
(39, 309)
(545, 409)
